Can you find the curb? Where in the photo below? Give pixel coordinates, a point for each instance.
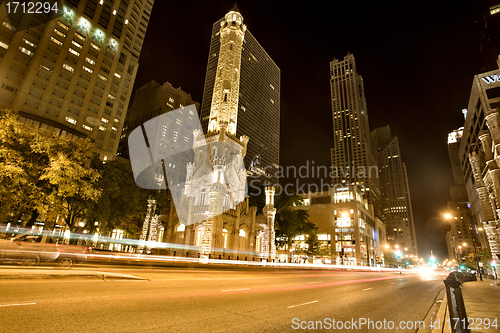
(63, 274)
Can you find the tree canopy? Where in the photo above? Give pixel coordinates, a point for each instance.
(43, 173)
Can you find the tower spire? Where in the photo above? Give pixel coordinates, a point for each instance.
(227, 81)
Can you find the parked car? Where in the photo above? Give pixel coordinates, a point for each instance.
(30, 249)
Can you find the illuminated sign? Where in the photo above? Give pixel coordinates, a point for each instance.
(491, 78)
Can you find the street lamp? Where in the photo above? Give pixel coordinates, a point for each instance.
(343, 222)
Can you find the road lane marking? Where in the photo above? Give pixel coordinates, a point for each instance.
(294, 306)
(393, 283)
(17, 304)
(315, 282)
(236, 289)
(366, 289)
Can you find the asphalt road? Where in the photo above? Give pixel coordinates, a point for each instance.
(219, 300)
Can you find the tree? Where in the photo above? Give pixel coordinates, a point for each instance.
(23, 160)
(122, 203)
(42, 171)
(313, 245)
(73, 172)
(291, 221)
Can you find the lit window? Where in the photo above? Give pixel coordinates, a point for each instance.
(126, 21)
(76, 44)
(95, 46)
(87, 69)
(114, 12)
(79, 36)
(71, 120)
(90, 61)
(74, 52)
(111, 96)
(102, 77)
(495, 9)
(56, 41)
(170, 99)
(64, 26)
(60, 33)
(118, 75)
(25, 51)
(5, 46)
(104, 120)
(102, 128)
(114, 129)
(69, 68)
(88, 128)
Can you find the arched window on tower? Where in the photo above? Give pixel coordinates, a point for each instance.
(199, 235)
(225, 236)
(179, 233)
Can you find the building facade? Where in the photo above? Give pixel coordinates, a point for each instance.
(257, 102)
(348, 232)
(353, 163)
(75, 72)
(213, 218)
(395, 193)
(152, 100)
(478, 154)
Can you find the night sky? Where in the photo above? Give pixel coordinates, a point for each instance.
(417, 63)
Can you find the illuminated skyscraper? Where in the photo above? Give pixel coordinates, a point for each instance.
(257, 101)
(352, 160)
(73, 72)
(394, 191)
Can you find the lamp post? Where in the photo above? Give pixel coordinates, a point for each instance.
(399, 255)
(340, 222)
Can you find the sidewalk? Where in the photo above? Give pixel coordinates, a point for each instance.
(482, 301)
(13, 272)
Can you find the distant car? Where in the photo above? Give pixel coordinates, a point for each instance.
(28, 250)
(31, 249)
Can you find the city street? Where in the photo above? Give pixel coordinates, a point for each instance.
(213, 300)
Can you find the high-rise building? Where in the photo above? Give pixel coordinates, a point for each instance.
(486, 16)
(353, 163)
(73, 72)
(212, 213)
(394, 190)
(478, 153)
(257, 101)
(152, 100)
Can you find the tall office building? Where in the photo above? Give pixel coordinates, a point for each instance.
(257, 100)
(394, 190)
(352, 160)
(458, 213)
(73, 72)
(152, 100)
(486, 16)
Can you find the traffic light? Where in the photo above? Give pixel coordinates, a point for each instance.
(493, 263)
(433, 259)
(399, 254)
